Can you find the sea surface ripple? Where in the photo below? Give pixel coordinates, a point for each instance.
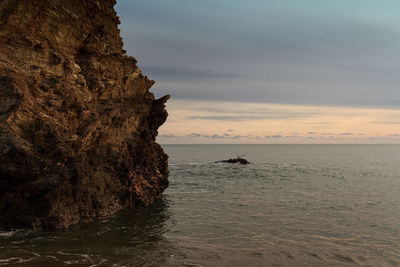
(294, 205)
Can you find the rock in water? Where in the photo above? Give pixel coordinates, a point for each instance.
(235, 160)
(77, 121)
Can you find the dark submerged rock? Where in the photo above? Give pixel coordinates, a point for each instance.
(77, 121)
(235, 160)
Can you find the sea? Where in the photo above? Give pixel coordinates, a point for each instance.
(293, 205)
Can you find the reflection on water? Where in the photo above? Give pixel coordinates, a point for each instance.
(133, 237)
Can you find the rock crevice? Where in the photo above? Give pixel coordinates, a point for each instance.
(77, 121)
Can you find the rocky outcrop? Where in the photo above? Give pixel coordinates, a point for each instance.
(77, 121)
(238, 160)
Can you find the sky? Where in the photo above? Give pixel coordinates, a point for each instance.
(268, 71)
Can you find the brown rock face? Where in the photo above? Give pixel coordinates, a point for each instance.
(77, 121)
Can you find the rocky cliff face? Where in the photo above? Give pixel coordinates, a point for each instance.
(77, 121)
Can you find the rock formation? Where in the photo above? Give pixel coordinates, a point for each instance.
(238, 160)
(77, 121)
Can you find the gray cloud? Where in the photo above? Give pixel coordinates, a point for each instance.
(247, 118)
(172, 73)
(273, 136)
(216, 136)
(194, 135)
(266, 111)
(168, 136)
(241, 136)
(295, 54)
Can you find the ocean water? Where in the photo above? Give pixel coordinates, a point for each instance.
(294, 205)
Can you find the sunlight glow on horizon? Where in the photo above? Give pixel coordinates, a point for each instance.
(193, 121)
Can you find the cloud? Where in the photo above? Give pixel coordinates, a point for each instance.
(247, 118)
(241, 136)
(295, 53)
(254, 110)
(274, 136)
(217, 136)
(194, 135)
(168, 136)
(346, 134)
(228, 118)
(172, 73)
(206, 136)
(312, 133)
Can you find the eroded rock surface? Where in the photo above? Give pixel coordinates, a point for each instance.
(77, 121)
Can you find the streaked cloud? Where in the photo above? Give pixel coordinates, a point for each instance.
(194, 135)
(247, 118)
(168, 136)
(318, 52)
(274, 136)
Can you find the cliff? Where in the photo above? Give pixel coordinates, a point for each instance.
(77, 121)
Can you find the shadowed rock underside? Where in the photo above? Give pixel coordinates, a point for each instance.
(77, 121)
